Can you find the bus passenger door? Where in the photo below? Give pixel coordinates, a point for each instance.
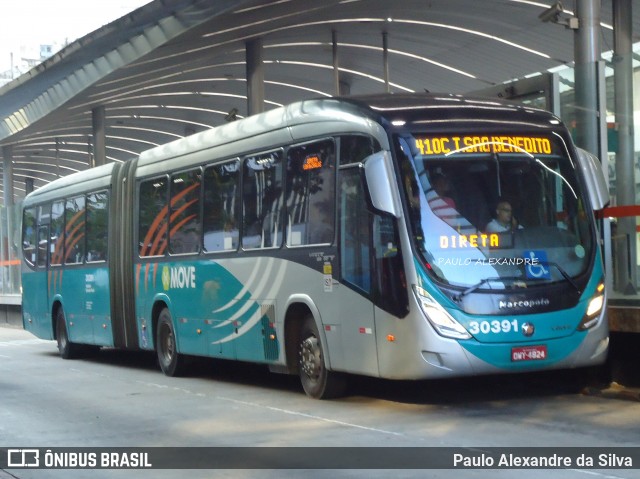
(355, 308)
(38, 283)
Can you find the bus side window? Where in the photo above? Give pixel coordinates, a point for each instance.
(262, 201)
(310, 193)
(43, 241)
(355, 148)
(97, 226)
(57, 233)
(221, 207)
(184, 218)
(74, 230)
(153, 218)
(355, 231)
(29, 236)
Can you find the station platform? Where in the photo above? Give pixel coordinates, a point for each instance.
(624, 312)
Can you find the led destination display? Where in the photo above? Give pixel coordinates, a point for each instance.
(444, 145)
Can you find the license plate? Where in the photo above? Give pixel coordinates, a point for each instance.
(529, 353)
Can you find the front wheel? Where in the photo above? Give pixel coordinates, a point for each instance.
(171, 362)
(317, 381)
(66, 348)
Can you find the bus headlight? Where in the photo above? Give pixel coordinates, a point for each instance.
(591, 317)
(442, 321)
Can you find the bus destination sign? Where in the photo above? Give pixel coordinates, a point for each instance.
(444, 145)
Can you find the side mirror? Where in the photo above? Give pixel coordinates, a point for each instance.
(380, 179)
(596, 182)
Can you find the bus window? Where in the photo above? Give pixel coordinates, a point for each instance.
(152, 231)
(43, 241)
(391, 284)
(57, 233)
(43, 219)
(262, 201)
(74, 230)
(355, 148)
(184, 229)
(355, 231)
(310, 193)
(97, 223)
(29, 236)
(221, 207)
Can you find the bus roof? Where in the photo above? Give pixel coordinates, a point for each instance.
(306, 119)
(288, 123)
(422, 107)
(76, 183)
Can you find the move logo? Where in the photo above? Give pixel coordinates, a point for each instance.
(179, 277)
(166, 278)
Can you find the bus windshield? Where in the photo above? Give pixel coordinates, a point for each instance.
(495, 211)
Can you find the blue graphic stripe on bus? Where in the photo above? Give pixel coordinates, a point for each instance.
(229, 310)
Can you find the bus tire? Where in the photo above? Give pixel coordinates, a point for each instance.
(317, 381)
(171, 362)
(66, 348)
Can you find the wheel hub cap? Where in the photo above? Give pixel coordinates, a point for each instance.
(310, 360)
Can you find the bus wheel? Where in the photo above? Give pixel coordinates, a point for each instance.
(317, 381)
(66, 348)
(171, 362)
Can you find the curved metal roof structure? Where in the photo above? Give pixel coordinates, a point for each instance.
(175, 67)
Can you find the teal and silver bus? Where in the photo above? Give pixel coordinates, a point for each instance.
(333, 237)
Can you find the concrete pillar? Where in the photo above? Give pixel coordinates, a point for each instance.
(8, 273)
(7, 173)
(28, 185)
(99, 136)
(587, 56)
(385, 61)
(255, 76)
(58, 158)
(626, 255)
(345, 88)
(336, 69)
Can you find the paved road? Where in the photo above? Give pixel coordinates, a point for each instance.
(121, 399)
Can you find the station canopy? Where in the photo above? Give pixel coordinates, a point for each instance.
(175, 67)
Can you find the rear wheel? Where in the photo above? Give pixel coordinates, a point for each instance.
(317, 381)
(171, 362)
(66, 348)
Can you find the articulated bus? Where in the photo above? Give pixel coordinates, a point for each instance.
(333, 237)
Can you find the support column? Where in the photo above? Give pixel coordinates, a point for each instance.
(587, 56)
(58, 158)
(385, 61)
(99, 136)
(28, 185)
(626, 255)
(336, 69)
(255, 76)
(7, 173)
(8, 273)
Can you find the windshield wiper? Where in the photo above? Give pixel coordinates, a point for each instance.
(471, 289)
(564, 274)
(457, 298)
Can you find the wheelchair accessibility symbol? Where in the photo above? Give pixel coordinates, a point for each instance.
(537, 264)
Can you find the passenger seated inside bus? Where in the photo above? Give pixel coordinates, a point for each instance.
(443, 205)
(438, 197)
(504, 220)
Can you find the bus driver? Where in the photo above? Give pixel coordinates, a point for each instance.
(504, 220)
